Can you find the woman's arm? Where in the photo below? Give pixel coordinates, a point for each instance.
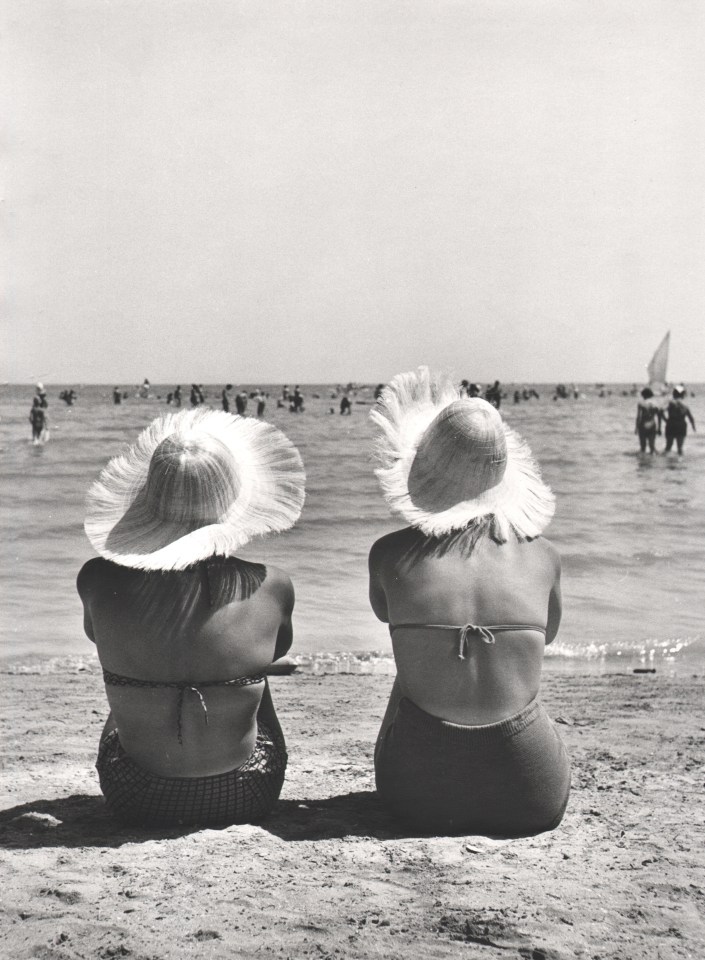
(378, 598)
(82, 587)
(285, 634)
(267, 713)
(285, 638)
(389, 714)
(555, 602)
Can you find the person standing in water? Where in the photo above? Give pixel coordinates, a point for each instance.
(648, 420)
(677, 415)
(241, 402)
(225, 397)
(494, 395)
(42, 396)
(39, 421)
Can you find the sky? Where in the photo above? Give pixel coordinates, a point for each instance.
(332, 190)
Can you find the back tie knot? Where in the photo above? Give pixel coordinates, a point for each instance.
(183, 687)
(485, 635)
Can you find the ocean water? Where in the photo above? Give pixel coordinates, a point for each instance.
(630, 527)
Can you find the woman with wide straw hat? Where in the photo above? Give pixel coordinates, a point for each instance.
(184, 629)
(471, 592)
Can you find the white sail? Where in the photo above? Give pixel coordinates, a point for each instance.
(659, 361)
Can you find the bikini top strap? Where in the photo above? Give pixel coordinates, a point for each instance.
(505, 627)
(117, 680)
(179, 708)
(485, 633)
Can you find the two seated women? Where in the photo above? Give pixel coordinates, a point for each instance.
(185, 630)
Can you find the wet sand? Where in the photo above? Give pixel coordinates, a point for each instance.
(329, 874)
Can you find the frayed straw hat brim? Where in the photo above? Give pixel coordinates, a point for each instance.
(122, 528)
(521, 501)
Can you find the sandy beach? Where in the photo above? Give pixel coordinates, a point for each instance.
(329, 874)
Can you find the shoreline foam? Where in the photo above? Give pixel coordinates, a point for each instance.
(380, 663)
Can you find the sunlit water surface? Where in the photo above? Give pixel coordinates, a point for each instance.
(630, 527)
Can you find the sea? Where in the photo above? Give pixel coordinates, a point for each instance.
(630, 527)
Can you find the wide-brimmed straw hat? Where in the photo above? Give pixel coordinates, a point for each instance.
(447, 460)
(195, 484)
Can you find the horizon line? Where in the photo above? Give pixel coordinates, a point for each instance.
(312, 383)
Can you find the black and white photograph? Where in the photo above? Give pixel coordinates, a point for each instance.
(352, 479)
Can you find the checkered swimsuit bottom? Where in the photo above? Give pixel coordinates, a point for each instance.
(244, 795)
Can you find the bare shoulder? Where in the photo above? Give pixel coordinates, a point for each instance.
(392, 544)
(93, 574)
(548, 553)
(279, 583)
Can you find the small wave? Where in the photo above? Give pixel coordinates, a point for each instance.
(650, 649)
(42, 666)
(683, 651)
(318, 664)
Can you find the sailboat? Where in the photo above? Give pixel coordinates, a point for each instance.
(659, 362)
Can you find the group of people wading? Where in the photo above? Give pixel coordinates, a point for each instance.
(650, 416)
(186, 630)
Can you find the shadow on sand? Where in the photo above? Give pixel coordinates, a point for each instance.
(82, 821)
(359, 814)
(76, 821)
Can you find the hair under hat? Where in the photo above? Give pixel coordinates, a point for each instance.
(195, 484)
(446, 460)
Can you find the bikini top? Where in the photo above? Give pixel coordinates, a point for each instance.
(117, 680)
(486, 634)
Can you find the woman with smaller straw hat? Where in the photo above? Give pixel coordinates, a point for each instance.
(184, 629)
(471, 592)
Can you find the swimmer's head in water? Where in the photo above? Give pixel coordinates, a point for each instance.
(447, 460)
(196, 484)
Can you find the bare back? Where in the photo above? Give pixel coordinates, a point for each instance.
(412, 581)
(175, 627)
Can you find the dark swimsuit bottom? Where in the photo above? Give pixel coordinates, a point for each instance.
(244, 795)
(510, 778)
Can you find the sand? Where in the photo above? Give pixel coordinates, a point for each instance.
(329, 874)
